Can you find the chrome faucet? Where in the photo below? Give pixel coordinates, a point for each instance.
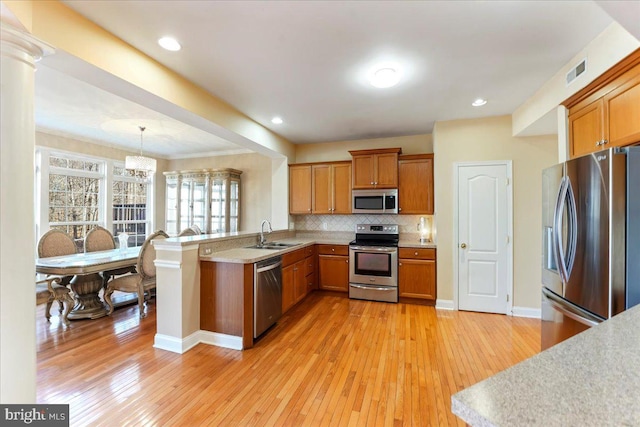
(269, 230)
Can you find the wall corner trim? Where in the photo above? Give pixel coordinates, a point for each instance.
(533, 313)
(176, 345)
(444, 304)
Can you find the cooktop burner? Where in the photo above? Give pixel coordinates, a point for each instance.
(376, 235)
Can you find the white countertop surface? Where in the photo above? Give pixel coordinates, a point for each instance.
(591, 379)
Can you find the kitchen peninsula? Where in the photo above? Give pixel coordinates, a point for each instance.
(590, 379)
(178, 293)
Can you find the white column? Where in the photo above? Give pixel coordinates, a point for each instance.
(177, 296)
(19, 51)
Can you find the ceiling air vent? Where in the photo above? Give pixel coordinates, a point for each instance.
(576, 71)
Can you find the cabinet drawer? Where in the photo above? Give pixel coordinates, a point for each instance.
(292, 257)
(333, 250)
(310, 250)
(310, 265)
(417, 253)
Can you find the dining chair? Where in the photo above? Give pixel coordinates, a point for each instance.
(101, 239)
(194, 230)
(143, 280)
(57, 243)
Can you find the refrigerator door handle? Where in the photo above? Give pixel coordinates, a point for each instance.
(566, 200)
(571, 310)
(572, 228)
(557, 230)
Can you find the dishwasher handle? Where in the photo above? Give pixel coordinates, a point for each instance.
(265, 266)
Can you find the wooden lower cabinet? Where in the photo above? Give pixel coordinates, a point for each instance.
(334, 273)
(226, 299)
(417, 273)
(294, 278)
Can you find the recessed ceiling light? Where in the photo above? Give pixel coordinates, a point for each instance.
(276, 120)
(169, 43)
(384, 77)
(479, 102)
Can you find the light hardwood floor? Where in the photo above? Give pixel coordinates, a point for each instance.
(329, 361)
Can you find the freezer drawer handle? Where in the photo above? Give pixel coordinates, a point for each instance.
(571, 310)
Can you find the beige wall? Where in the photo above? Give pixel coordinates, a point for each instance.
(339, 150)
(490, 139)
(255, 183)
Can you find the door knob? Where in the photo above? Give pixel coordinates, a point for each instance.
(463, 245)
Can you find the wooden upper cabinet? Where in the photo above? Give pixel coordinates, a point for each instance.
(607, 112)
(623, 111)
(342, 188)
(415, 184)
(375, 168)
(331, 188)
(300, 189)
(586, 129)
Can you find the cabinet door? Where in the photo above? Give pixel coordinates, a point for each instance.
(342, 188)
(321, 189)
(386, 170)
(300, 189)
(622, 109)
(172, 208)
(417, 278)
(299, 280)
(415, 186)
(586, 129)
(334, 273)
(363, 171)
(288, 287)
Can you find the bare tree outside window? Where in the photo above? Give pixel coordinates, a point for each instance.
(74, 197)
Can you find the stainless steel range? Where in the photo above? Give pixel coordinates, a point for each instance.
(373, 263)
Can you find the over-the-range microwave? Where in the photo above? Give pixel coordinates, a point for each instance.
(375, 201)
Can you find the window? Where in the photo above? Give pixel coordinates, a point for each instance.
(74, 187)
(130, 201)
(76, 193)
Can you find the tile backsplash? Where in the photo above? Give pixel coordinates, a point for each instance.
(407, 223)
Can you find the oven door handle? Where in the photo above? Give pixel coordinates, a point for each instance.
(373, 248)
(373, 288)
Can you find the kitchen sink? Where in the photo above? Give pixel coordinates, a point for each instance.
(273, 245)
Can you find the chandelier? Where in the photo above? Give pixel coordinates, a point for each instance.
(140, 162)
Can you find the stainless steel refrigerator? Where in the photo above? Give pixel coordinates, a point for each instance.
(591, 241)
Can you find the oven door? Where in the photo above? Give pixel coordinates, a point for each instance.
(373, 265)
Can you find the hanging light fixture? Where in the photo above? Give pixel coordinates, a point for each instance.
(140, 162)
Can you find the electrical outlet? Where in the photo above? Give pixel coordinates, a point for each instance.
(207, 251)
(324, 225)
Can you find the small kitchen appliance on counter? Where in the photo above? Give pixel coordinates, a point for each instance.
(373, 263)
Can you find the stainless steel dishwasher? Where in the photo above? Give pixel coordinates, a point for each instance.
(267, 294)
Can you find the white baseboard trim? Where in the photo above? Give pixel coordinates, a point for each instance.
(534, 313)
(444, 304)
(176, 345)
(221, 340)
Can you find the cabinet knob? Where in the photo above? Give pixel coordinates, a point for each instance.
(400, 264)
(415, 253)
(371, 182)
(375, 183)
(347, 261)
(463, 245)
(333, 250)
(399, 209)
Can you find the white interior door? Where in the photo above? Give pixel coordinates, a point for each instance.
(483, 247)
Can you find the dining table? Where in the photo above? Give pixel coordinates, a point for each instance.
(87, 280)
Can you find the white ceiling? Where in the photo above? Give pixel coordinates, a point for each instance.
(306, 61)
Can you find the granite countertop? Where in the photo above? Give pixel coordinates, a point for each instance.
(247, 255)
(591, 379)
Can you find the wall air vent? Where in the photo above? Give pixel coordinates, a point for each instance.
(576, 71)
